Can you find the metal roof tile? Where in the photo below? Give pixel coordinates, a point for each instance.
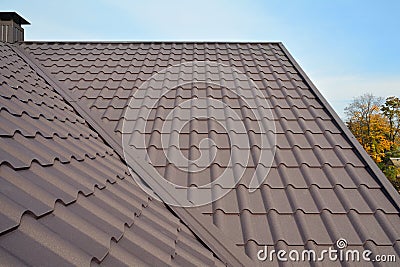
(318, 189)
(73, 229)
(292, 176)
(71, 182)
(33, 242)
(284, 228)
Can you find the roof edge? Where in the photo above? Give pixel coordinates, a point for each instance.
(390, 190)
(151, 42)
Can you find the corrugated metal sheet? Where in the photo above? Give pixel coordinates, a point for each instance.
(318, 190)
(66, 197)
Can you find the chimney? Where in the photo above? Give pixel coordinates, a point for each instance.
(10, 27)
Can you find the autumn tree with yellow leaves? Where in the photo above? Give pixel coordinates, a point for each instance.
(376, 125)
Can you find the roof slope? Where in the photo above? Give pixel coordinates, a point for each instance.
(66, 197)
(319, 189)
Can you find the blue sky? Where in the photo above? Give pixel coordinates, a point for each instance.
(346, 47)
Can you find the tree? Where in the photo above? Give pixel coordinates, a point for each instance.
(377, 128)
(372, 134)
(391, 110)
(360, 111)
(367, 124)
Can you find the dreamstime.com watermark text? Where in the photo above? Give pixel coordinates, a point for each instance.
(340, 253)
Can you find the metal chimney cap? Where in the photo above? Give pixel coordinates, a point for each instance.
(13, 16)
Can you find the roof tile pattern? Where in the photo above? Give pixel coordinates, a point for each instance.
(318, 189)
(66, 198)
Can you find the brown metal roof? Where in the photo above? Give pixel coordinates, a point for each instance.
(66, 197)
(321, 186)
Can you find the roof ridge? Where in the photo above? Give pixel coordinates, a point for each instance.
(219, 243)
(152, 42)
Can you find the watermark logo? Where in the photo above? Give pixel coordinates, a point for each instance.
(162, 99)
(341, 243)
(337, 253)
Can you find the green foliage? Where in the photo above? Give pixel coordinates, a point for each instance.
(391, 172)
(391, 110)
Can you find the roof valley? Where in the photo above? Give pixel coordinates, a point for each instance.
(207, 233)
(51, 203)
